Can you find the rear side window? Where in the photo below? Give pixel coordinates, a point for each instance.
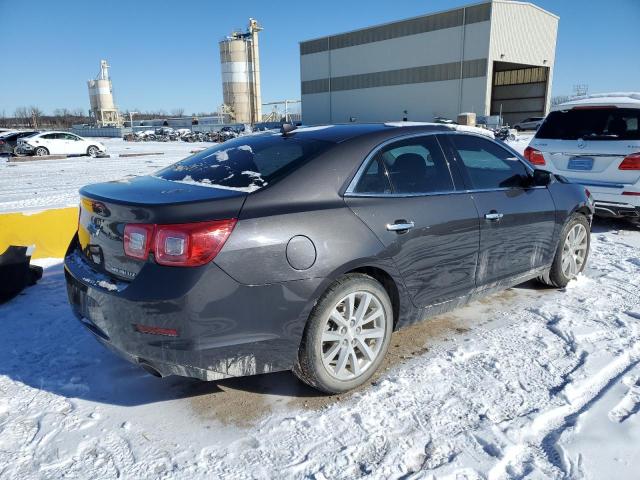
(592, 124)
(245, 164)
(489, 165)
(415, 165)
(374, 179)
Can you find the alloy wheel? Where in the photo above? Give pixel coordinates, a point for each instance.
(574, 251)
(93, 151)
(353, 335)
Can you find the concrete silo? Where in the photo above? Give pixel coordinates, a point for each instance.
(240, 61)
(103, 107)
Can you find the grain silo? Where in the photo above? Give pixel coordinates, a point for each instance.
(103, 107)
(240, 61)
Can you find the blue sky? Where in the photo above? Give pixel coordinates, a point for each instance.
(164, 54)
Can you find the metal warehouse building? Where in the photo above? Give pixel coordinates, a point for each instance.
(485, 58)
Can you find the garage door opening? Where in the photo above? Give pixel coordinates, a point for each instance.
(518, 91)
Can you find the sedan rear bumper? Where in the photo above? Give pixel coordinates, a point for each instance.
(223, 328)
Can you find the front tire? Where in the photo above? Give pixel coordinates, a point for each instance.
(571, 254)
(347, 335)
(93, 151)
(41, 152)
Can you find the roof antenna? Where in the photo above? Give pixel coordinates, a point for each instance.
(287, 128)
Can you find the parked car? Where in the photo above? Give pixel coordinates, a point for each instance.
(59, 143)
(304, 250)
(531, 123)
(595, 141)
(9, 141)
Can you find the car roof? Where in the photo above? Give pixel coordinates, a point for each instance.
(616, 99)
(338, 133)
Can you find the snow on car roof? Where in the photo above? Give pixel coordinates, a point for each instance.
(612, 98)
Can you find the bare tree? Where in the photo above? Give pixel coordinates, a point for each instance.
(22, 116)
(177, 112)
(558, 99)
(34, 114)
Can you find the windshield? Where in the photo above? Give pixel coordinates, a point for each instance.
(245, 164)
(596, 123)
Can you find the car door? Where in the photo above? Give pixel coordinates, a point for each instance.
(71, 144)
(517, 218)
(50, 142)
(406, 194)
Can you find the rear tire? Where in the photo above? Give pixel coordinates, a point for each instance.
(347, 335)
(41, 152)
(571, 254)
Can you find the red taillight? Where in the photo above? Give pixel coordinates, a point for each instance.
(167, 332)
(1, 142)
(534, 157)
(181, 245)
(630, 162)
(137, 240)
(634, 194)
(587, 192)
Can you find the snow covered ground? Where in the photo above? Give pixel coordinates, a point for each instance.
(532, 382)
(42, 184)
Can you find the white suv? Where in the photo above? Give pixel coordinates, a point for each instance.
(59, 143)
(595, 141)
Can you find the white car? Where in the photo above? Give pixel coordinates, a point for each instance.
(59, 143)
(531, 123)
(595, 141)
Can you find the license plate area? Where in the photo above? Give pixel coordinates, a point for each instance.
(580, 163)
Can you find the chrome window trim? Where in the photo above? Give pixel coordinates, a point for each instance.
(365, 163)
(349, 192)
(434, 194)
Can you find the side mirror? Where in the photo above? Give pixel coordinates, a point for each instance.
(541, 178)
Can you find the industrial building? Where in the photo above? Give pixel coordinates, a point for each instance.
(240, 59)
(103, 108)
(488, 58)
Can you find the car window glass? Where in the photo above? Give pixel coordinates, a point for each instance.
(374, 179)
(416, 165)
(488, 164)
(49, 136)
(592, 124)
(245, 164)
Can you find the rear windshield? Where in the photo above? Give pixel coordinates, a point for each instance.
(592, 124)
(246, 163)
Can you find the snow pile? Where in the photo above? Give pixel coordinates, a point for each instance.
(540, 383)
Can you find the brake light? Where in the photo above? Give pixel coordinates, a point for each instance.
(533, 156)
(181, 245)
(634, 194)
(587, 192)
(630, 162)
(137, 240)
(1, 142)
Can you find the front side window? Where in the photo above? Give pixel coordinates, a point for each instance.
(49, 136)
(411, 166)
(489, 165)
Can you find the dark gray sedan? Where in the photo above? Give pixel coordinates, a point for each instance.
(305, 249)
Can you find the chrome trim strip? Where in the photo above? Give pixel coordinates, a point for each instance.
(433, 194)
(596, 183)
